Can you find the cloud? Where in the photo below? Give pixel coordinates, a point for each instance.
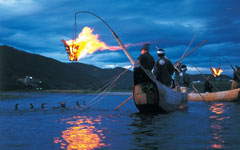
(14, 8)
(39, 26)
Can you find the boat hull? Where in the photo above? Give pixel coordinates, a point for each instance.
(150, 96)
(223, 96)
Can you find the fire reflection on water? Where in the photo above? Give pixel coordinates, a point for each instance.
(82, 135)
(217, 120)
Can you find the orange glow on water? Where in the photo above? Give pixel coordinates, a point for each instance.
(83, 135)
(218, 108)
(217, 146)
(216, 125)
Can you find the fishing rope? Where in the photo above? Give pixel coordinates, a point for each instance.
(96, 97)
(99, 97)
(109, 82)
(83, 97)
(113, 83)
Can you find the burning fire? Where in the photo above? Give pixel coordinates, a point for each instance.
(88, 43)
(216, 72)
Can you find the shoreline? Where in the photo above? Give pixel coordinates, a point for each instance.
(20, 94)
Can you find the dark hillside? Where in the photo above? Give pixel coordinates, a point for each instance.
(15, 64)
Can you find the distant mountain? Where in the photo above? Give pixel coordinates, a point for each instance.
(15, 65)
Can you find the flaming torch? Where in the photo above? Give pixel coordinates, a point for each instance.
(88, 43)
(85, 43)
(216, 71)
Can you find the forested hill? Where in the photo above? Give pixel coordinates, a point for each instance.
(48, 73)
(15, 65)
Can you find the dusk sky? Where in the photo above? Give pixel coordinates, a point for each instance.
(38, 26)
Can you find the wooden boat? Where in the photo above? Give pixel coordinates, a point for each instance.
(150, 96)
(223, 96)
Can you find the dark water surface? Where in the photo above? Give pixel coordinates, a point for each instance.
(202, 126)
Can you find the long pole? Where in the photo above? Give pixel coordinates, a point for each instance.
(123, 102)
(189, 45)
(205, 77)
(196, 90)
(231, 67)
(114, 34)
(191, 51)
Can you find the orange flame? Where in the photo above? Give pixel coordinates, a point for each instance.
(216, 72)
(88, 43)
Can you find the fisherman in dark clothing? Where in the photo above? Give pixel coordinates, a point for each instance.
(207, 85)
(236, 78)
(147, 62)
(163, 69)
(146, 59)
(184, 80)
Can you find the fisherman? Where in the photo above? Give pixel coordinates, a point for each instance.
(207, 85)
(163, 69)
(177, 72)
(84, 104)
(184, 79)
(236, 78)
(147, 61)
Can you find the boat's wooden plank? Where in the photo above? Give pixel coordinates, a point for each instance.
(139, 95)
(227, 96)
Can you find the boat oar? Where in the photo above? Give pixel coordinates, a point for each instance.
(123, 102)
(191, 51)
(205, 77)
(196, 90)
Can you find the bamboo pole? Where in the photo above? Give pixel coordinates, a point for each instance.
(114, 34)
(196, 90)
(116, 37)
(191, 51)
(205, 77)
(189, 45)
(123, 102)
(231, 67)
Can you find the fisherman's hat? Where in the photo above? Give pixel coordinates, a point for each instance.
(184, 67)
(146, 47)
(160, 51)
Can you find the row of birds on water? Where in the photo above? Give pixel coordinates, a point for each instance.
(62, 105)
